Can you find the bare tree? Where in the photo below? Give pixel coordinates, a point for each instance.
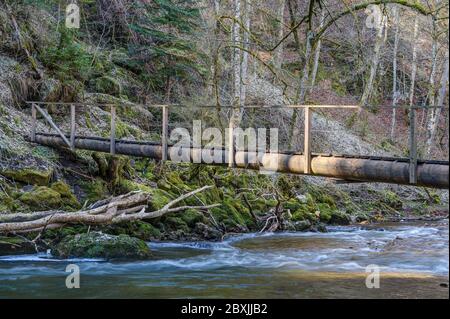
(317, 53)
(395, 92)
(278, 57)
(414, 62)
(433, 118)
(368, 88)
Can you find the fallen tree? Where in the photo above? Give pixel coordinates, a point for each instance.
(124, 208)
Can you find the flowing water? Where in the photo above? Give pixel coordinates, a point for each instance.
(413, 261)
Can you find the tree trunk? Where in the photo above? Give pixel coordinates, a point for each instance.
(245, 55)
(368, 89)
(433, 118)
(317, 53)
(297, 116)
(414, 62)
(278, 59)
(237, 59)
(395, 92)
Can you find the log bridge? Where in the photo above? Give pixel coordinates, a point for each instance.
(350, 168)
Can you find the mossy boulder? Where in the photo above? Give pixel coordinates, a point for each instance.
(42, 197)
(68, 198)
(100, 245)
(192, 217)
(95, 190)
(138, 229)
(29, 176)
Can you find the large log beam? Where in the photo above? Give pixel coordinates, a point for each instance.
(434, 175)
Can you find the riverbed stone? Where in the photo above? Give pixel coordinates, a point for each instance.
(100, 245)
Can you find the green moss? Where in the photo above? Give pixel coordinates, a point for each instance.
(192, 216)
(176, 223)
(99, 245)
(391, 199)
(95, 190)
(109, 85)
(159, 198)
(10, 204)
(129, 186)
(138, 229)
(28, 176)
(68, 198)
(42, 198)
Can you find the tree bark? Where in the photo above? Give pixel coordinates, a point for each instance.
(395, 92)
(414, 62)
(317, 53)
(434, 113)
(279, 51)
(124, 208)
(368, 88)
(236, 115)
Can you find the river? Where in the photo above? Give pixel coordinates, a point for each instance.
(413, 261)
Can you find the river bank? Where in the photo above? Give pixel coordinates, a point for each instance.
(248, 202)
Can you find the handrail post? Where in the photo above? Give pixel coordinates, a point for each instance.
(307, 142)
(412, 147)
(165, 131)
(113, 131)
(33, 123)
(72, 126)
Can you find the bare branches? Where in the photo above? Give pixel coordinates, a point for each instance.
(128, 207)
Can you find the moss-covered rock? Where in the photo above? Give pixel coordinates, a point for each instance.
(95, 190)
(127, 186)
(99, 245)
(42, 197)
(339, 218)
(138, 229)
(68, 198)
(192, 217)
(28, 176)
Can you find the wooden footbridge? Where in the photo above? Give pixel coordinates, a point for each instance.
(410, 171)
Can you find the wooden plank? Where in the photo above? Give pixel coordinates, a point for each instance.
(165, 132)
(307, 143)
(72, 126)
(112, 139)
(52, 124)
(412, 147)
(33, 123)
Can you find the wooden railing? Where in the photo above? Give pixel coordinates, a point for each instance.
(231, 145)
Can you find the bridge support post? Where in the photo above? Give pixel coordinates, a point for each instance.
(113, 131)
(307, 142)
(412, 147)
(33, 123)
(165, 130)
(72, 126)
